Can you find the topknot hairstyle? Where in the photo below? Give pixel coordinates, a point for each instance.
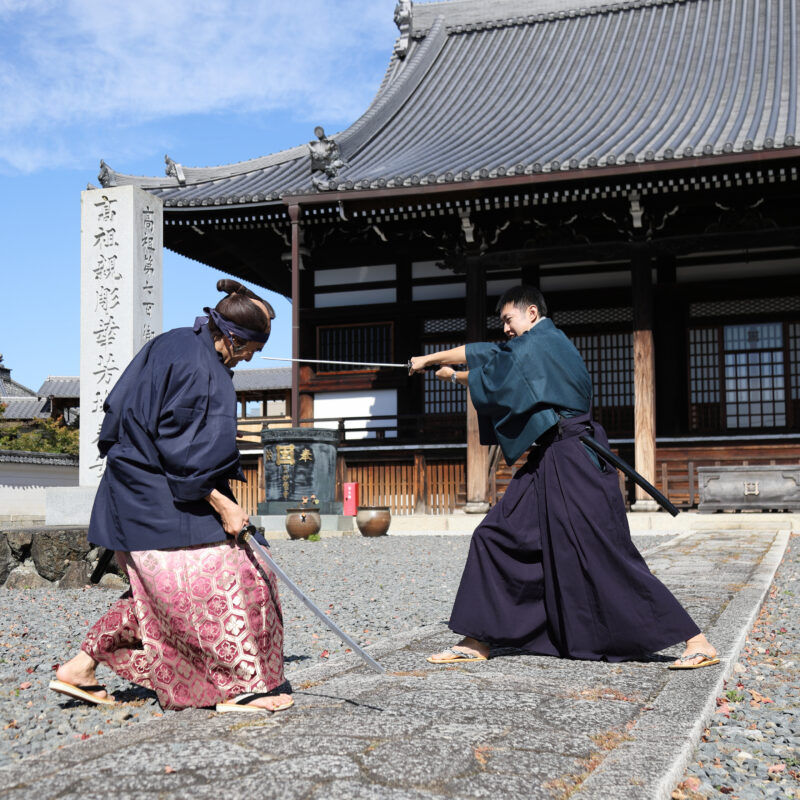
(238, 307)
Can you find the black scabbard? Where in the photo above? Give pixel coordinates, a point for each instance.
(623, 466)
(102, 565)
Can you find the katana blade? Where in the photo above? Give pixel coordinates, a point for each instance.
(340, 363)
(625, 467)
(266, 561)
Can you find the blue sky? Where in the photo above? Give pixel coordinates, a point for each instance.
(207, 83)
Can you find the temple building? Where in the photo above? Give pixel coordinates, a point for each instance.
(636, 160)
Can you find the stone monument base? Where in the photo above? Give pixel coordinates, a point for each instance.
(68, 505)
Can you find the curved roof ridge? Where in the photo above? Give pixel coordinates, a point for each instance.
(469, 15)
(394, 94)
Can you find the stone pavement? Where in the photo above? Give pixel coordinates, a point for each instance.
(515, 726)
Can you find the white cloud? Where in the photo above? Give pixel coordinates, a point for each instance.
(68, 67)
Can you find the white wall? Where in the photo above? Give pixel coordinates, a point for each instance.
(336, 405)
(22, 501)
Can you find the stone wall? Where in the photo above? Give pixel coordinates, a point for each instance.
(33, 558)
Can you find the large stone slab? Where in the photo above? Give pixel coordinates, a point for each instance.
(53, 550)
(69, 505)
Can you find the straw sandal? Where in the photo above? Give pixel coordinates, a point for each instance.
(241, 703)
(707, 661)
(82, 693)
(452, 655)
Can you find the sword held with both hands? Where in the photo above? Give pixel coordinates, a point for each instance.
(409, 365)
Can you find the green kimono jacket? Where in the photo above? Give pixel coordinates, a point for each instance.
(519, 387)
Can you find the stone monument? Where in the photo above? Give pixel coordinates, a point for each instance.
(299, 462)
(121, 310)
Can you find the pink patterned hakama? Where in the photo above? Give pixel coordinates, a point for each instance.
(202, 625)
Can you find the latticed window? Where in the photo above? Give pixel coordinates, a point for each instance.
(443, 397)
(704, 379)
(609, 359)
(366, 342)
(794, 368)
(755, 380)
(743, 377)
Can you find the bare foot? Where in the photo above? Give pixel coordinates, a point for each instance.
(468, 646)
(79, 671)
(699, 645)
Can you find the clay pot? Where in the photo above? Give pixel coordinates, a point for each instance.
(302, 522)
(373, 520)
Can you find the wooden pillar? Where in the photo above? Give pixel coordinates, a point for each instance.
(644, 376)
(294, 216)
(670, 323)
(477, 454)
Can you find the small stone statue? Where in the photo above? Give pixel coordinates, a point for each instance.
(325, 157)
(403, 13)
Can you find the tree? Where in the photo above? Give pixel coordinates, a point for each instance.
(39, 435)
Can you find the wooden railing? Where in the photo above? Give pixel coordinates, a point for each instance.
(416, 482)
(389, 428)
(676, 464)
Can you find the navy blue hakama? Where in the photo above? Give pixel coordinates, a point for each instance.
(552, 569)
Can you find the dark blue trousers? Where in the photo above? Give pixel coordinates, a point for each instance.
(552, 568)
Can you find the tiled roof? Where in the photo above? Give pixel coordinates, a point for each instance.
(61, 386)
(489, 88)
(246, 380)
(25, 407)
(27, 457)
(10, 388)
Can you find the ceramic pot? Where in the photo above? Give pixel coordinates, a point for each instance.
(302, 522)
(373, 520)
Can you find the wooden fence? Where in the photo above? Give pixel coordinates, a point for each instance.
(421, 486)
(249, 495)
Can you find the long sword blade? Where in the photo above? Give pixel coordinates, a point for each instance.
(341, 363)
(625, 467)
(267, 561)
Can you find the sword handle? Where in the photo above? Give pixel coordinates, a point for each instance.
(249, 531)
(429, 368)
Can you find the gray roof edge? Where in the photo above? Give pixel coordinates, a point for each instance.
(60, 386)
(393, 93)
(9, 384)
(34, 457)
(198, 175)
(479, 13)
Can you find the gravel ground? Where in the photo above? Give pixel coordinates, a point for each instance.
(751, 747)
(372, 588)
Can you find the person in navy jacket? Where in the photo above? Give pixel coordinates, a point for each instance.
(200, 625)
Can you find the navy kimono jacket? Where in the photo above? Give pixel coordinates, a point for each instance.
(517, 385)
(169, 438)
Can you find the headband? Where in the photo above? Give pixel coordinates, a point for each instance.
(230, 328)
